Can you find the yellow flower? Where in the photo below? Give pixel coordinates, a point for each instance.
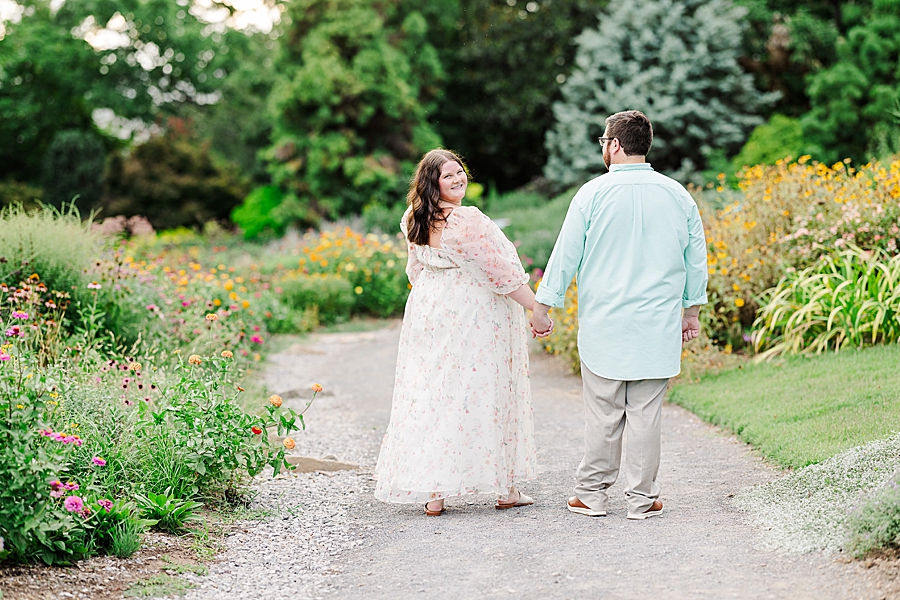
(212, 317)
(739, 302)
(195, 359)
(227, 354)
(316, 388)
(289, 443)
(275, 400)
(358, 290)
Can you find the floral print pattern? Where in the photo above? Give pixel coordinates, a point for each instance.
(461, 417)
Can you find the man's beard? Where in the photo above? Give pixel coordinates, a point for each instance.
(606, 156)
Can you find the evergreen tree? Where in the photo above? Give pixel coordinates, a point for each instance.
(356, 84)
(675, 60)
(854, 99)
(74, 166)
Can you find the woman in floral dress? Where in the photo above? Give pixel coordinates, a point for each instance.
(461, 418)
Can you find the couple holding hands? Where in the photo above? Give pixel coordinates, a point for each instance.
(461, 417)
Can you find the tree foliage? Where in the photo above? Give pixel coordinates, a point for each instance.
(173, 180)
(505, 62)
(676, 60)
(74, 166)
(853, 100)
(356, 84)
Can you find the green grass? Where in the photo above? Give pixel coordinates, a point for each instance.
(802, 411)
(158, 586)
(534, 222)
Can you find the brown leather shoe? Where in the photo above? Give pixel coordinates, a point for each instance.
(577, 506)
(654, 511)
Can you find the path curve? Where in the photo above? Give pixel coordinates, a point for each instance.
(328, 538)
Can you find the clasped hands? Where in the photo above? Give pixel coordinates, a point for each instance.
(541, 324)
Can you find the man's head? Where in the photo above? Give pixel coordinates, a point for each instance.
(627, 138)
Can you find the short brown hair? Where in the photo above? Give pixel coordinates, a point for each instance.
(424, 195)
(633, 130)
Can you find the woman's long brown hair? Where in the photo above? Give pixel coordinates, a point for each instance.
(425, 195)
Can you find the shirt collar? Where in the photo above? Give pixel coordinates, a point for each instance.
(645, 166)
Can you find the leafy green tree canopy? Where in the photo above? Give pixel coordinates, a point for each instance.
(74, 166)
(356, 84)
(675, 60)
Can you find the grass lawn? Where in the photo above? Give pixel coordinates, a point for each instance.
(801, 411)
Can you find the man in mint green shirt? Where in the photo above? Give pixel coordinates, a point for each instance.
(634, 239)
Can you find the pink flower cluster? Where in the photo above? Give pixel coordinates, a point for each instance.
(62, 437)
(58, 489)
(106, 504)
(18, 314)
(98, 461)
(14, 331)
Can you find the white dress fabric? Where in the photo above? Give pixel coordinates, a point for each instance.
(461, 417)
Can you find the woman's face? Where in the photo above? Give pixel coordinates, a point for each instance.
(453, 182)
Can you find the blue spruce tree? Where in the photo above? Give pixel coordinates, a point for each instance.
(675, 60)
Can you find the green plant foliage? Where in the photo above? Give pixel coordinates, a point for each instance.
(54, 243)
(383, 219)
(675, 60)
(874, 522)
(169, 513)
(173, 180)
(259, 213)
(504, 62)
(74, 166)
(16, 192)
(52, 79)
(356, 84)
(848, 299)
(125, 539)
(331, 295)
(852, 100)
(780, 137)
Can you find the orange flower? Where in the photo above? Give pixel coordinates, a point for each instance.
(212, 317)
(256, 430)
(195, 359)
(275, 400)
(227, 354)
(135, 366)
(289, 443)
(316, 388)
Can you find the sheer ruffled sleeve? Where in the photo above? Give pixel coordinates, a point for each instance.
(413, 266)
(479, 247)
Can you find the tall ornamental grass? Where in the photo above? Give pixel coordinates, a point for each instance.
(847, 299)
(54, 243)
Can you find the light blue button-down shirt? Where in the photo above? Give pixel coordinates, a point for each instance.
(635, 240)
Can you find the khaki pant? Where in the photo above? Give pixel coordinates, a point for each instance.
(610, 408)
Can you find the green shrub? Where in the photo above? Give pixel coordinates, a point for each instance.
(874, 522)
(383, 219)
(532, 224)
(198, 423)
(332, 295)
(848, 299)
(74, 166)
(15, 192)
(257, 213)
(125, 538)
(772, 141)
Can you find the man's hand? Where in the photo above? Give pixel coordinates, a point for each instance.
(541, 323)
(690, 324)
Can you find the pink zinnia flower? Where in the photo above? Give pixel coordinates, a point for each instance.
(71, 486)
(14, 331)
(152, 307)
(98, 461)
(17, 314)
(256, 339)
(73, 504)
(4, 356)
(57, 493)
(107, 504)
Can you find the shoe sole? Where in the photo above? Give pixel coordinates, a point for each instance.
(588, 512)
(646, 515)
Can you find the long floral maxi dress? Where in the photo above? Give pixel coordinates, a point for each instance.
(461, 417)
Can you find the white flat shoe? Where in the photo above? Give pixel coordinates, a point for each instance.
(522, 501)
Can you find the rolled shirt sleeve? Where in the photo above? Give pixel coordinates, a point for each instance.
(565, 260)
(696, 269)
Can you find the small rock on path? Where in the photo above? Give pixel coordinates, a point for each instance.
(327, 537)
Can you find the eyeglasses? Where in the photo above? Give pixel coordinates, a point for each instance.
(605, 140)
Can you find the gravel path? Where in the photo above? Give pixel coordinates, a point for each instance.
(326, 536)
